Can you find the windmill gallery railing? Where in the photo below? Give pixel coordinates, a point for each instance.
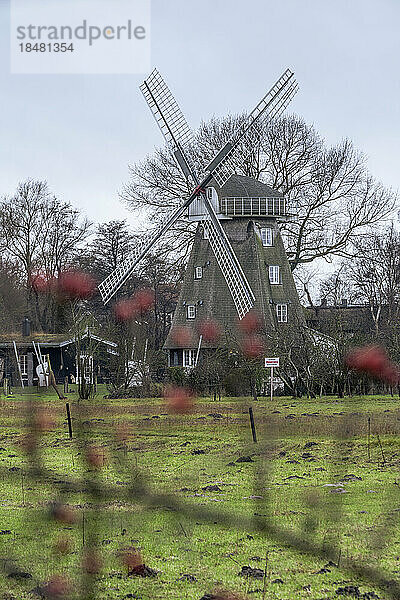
(237, 207)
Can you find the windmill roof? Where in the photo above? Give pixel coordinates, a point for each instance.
(247, 187)
(210, 294)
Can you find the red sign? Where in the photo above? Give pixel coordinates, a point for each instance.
(272, 362)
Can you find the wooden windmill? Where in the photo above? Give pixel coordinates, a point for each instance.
(238, 261)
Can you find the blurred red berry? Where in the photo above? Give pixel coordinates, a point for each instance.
(182, 336)
(373, 361)
(91, 562)
(57, 588)
(29, 442)
(95, 457)
(123, 432)
(75, 285)
(124, 310)
(63, 513)
(43, 420)
(179, 399)
(253, 346)
(42, 284)
(391, 374)
(251, 322)
(225, 595)
(210, 330)
(63, 545)
(131, 558)
(143, 300)
(39, 283)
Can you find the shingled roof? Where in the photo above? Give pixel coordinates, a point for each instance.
(240, 186)
(210, 294)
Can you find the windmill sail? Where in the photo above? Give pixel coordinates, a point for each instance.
(235, 152)
(170, 119)
(109, 287)
(286, 79)
(178, 135)
(232, 271)
(165, 109)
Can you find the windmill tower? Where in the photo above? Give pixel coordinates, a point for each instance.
(250, 213)
(238, 261)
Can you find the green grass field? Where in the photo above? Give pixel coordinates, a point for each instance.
(315, 475)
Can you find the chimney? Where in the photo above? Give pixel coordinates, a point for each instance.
(26, 327)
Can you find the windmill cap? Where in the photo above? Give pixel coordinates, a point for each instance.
(245, 187)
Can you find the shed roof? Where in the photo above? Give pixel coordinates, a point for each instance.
(47, 340)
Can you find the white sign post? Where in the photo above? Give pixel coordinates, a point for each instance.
(271, 363)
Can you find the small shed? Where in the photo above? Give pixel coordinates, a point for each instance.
(19, 355)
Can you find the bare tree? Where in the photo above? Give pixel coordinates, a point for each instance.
(12, 298)
(42, 235)
(111, 244)
(338, 286)
(329, 189)
(375, 276)
(21, 221)
(341, 202)
(164, 279)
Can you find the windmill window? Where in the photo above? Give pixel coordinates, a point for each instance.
(209, 193)
(189, 358)
(267, 236)
(198, 272)
(281, 313)
(205, 233)
(191, 311)
(274, 274)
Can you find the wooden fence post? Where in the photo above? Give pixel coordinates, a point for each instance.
(253, 429)
(69, 419)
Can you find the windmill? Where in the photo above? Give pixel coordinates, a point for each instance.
(207, 203)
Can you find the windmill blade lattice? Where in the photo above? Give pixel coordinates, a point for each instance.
(271, 96)
(170, 120)
(235, 278)
(109, 287)
(234, 154)
(166, 111)
(178, 134)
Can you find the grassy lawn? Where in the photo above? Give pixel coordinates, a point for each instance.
(314, 472)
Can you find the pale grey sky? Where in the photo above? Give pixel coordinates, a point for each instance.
(218, 56)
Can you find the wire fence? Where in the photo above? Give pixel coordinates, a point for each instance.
(98, 494)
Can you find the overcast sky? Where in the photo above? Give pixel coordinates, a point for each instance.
(80, 131)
